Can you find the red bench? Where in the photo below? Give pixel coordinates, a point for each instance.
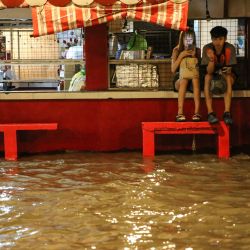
(10, 135)
(150, 129)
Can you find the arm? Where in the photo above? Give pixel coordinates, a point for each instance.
(208, 59)
(175, 62)
(211, 61)
(230, 55)
(176, 59)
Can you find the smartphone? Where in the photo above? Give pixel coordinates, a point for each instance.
(190, 46)
(225, 69)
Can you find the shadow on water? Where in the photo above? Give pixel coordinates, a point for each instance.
(124, 201)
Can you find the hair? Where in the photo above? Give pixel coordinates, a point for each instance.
(218, 31)
(181, 38)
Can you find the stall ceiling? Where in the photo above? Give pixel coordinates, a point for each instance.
(16, 13)
(197, 9)
(219, 8)
(238, 8)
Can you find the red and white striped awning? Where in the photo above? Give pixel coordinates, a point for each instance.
(81, 3)
(52, 16)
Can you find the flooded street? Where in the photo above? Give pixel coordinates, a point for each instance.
(122, 201)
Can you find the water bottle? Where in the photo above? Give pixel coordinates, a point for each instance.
(60, 85)
(83, 72)
(1, 79)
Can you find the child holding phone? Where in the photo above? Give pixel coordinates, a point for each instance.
(219, 57)
(185, 49)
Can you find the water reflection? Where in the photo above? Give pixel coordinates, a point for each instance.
(124, 201)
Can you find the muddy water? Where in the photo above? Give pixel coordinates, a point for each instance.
(122, 201)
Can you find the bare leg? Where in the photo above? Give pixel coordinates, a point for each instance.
(228, 94)
(196, 90)
(177, 84)
(208, 96)
(182, 94)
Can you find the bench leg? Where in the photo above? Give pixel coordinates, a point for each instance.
(223, 141)
(148, 143)
(10, 144)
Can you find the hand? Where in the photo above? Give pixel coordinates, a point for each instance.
(210, 55)
(226, 70)
(186, 53)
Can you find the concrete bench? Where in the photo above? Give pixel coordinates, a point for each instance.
(10, 135)
(150, 129)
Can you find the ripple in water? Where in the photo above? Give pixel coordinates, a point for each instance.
(122, 201)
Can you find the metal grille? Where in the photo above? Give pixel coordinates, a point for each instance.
(141, 68)
(42, 61)
(236, 32)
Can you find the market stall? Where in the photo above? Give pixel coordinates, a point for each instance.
(52, 16)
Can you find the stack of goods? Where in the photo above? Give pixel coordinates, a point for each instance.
(137, 76)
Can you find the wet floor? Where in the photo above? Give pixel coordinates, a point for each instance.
(122, 201)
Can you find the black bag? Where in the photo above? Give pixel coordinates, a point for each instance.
(218, 85)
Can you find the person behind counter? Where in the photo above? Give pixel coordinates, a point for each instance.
(77, 82)
(219, 57)
(7, 74)
(184, 64)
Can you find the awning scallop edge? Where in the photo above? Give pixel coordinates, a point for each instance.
(80, 3)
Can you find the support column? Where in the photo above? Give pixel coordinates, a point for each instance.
(96, 56)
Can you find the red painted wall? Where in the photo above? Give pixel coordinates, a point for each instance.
(109, 125)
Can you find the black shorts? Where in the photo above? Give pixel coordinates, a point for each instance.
(203, 72)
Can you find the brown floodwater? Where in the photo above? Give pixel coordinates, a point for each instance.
(122, 201)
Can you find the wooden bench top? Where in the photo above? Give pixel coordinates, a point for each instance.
(183, 127)
(28, 126)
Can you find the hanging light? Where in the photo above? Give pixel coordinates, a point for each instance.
(208, 17)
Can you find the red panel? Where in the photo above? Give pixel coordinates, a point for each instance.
(12, 3)
(60, 3)
(114, 124)
(96, 57)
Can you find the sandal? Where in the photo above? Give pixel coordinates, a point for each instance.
(196, 117)
(180, 118)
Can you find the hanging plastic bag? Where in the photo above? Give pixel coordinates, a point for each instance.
(137, 42)
(77, 82)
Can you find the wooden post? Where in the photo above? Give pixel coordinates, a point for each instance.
(10, 144)
(148, 143)
(223, 141)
